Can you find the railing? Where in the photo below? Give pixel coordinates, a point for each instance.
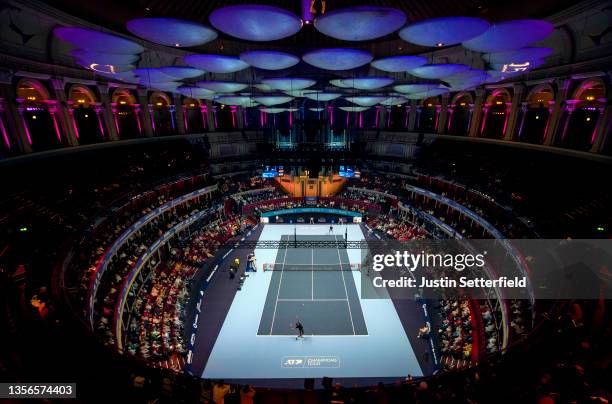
(127, 234)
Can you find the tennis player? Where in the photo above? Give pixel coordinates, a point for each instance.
(300, 328)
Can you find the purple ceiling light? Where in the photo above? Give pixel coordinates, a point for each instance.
(338, 58)
(87, 56)
(196, 92)
(152, 75)
(353, 108)
(171, 86)
(427, 94)
(517, 56)
(181, 72)
(367, 83)
(272, 100)
(415, 88)
(394, 101)
(97, 41)
(323, 97)
(222, 86)
(510, 35)
(396, 64)
(366, 101)
(255, 22)
(443, 31)
(438, 71)
(171, 32)
(289, 83)
(360, 23)
(216, 63)
(269, 60)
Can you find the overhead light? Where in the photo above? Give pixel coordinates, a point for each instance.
(439, 44)
(177, 44)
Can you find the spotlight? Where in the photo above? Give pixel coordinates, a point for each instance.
(439, 44)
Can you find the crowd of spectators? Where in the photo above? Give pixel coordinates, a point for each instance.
(396, 228)
(455, 333)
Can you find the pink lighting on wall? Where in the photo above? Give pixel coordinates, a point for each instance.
(330, 111)
(233, 109)
(100, 125)
(57, 131)
(450, 118)
(361, 119)
(484, 119)
(204, 112)
(377, 115)
(137, 113)
(74, 124)
(290, 119)
(4, 134)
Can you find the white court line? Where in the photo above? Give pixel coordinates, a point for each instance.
(345, 290)
(227, 253)
(312, 335)
(312, 300)
(312, 275)
(212, 273)
(278, 291)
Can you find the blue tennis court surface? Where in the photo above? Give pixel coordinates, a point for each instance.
(346, 337)
(315, 286)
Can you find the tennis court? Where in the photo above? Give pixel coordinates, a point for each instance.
(316, 286)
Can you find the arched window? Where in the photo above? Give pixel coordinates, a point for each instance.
(535, 115)
(86, 116)
(194, 116)
(459, 115)
(582, 115)
(38, 114)
(162, 118)
(125, 111)
(495, 115)
(430, 111)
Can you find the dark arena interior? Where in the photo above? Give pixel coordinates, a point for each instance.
(305, 201)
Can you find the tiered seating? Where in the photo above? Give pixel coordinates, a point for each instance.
(455, 333)
(396, 228)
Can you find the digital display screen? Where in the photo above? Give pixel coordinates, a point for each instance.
(273, 171)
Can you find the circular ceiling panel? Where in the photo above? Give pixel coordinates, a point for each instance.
(97, 41)
(269, 60)
(272, 100)
(235, 100)
(517, 56)
(317, 109)
(426, 94)
(396, 64)
(338, 58)
(354, 109)
(443, 31)
(323, 97)
(255, 22)
(339, 83)
(367, 83)
(263, 87)
(152, 75)
(166, 86)
(366, 101)
(103, 58)
(510, 35)
(274, 110)
(415, 88)
(171, 31)
(289, 83)
(222, 86)
(360, 23)
(394, 101)
(216, 63)
(181, 72)
(196, 92)
(438, 71)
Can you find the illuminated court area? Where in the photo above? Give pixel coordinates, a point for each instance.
(345, 336)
